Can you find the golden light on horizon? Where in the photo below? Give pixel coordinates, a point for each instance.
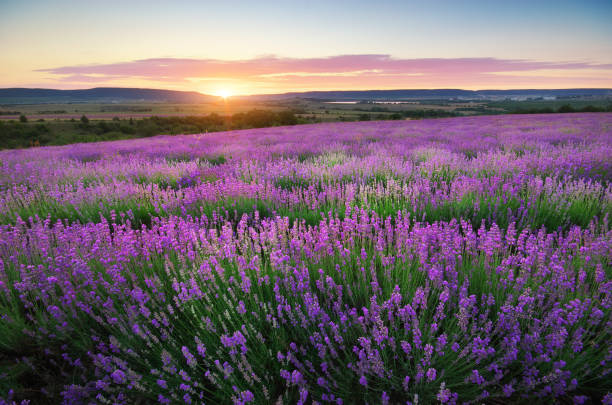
(224, 94)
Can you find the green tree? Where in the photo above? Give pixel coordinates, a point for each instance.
(23, 118)
(566, 108)
(287, 118)
(84, 119)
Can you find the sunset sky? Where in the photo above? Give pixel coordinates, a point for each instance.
(249, 47)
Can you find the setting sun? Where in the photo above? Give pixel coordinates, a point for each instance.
(224, 94)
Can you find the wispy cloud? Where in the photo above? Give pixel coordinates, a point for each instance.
(343, 71)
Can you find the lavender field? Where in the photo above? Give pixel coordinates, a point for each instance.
(462, 260)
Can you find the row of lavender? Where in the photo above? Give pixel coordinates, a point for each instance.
(459, 260)
(536, 172)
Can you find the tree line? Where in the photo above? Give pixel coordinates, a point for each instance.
(23, 133)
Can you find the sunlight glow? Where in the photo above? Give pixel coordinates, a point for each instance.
(224, 94)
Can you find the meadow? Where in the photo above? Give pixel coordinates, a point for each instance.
(55, 124)
(456, 260)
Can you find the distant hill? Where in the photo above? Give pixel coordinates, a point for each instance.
(398, 95)
(438, 94)
(126, 95)
(100, 95)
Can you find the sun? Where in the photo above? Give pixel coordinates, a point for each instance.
(224, 94)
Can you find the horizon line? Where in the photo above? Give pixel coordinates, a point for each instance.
(311, 91)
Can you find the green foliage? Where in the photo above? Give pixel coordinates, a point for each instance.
(418, 114)
(262, 118)
(23, 134)
(213, 160)
(566, 108)
(290, 183)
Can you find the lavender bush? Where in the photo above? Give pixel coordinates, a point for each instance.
(463, 260)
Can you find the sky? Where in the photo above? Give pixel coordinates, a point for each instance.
(254, 47)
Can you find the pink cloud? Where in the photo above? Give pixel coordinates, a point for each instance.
(342, 70)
